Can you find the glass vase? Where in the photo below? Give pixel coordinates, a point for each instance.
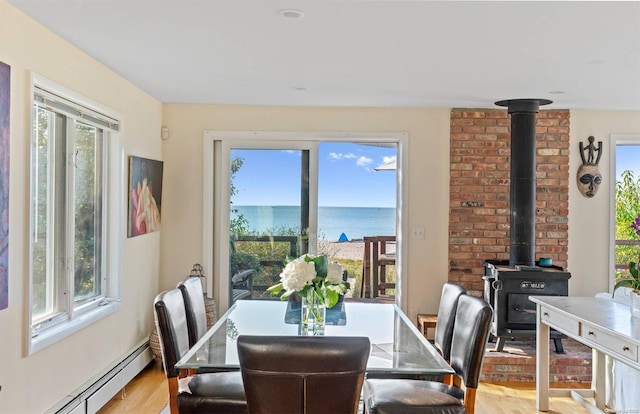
(634, 304)
(313, 317)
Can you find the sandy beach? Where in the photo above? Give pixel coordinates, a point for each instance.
(347, 250)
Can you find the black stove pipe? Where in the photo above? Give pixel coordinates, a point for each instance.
(522, 195)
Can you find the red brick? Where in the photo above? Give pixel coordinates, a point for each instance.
(473, 114)
(474, 129)
(462, 121)
(543, 121)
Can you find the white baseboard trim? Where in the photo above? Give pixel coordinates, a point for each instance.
(96, 392)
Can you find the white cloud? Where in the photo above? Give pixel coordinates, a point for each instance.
(364, 161)
(388, 159)
(341, 156)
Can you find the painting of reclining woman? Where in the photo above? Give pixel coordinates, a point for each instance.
(145, 195)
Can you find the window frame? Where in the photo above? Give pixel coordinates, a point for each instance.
(113, 184)
(615, 141)
(216, 181)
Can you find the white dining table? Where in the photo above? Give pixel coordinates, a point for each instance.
(602, 324)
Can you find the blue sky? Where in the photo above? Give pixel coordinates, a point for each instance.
(628, 158)
(347, 177)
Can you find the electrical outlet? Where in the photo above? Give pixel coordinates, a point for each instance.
(417, 233)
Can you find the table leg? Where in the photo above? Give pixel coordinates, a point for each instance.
(598, 377)
(542, 362)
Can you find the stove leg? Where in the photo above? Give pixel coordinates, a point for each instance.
(558, 343)
(499, 344)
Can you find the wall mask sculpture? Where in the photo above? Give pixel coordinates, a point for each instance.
(589, 177)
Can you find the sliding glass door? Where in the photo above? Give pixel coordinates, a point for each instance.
(286, 195)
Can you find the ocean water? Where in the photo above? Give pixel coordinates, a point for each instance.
(354, 222)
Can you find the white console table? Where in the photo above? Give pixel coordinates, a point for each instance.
(604, 325)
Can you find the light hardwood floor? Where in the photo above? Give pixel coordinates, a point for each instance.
(147, 394)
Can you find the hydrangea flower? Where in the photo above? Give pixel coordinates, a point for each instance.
(296, 275)
(312, 275)
(334, 273)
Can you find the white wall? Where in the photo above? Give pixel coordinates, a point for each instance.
(589, 217)
(32, 384)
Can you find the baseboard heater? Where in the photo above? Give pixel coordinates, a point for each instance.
(96, 392)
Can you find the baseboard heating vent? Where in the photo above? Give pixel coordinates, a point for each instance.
(96, 392)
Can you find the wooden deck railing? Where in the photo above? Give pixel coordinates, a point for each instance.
(625, 243)
(293, 251)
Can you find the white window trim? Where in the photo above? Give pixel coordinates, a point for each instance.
(214, 164)
(115, 227)
(614, 142)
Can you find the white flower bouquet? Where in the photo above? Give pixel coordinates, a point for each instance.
(312, 275)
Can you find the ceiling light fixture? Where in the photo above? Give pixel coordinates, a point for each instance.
(291, 14)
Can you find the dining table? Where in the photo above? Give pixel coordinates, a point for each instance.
(397, 346)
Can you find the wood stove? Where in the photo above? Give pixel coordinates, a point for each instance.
(508, 289)
(508, 285)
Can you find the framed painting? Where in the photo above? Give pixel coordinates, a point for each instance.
(5, 85)
(145, 196)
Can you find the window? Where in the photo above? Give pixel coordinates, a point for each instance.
(76, 177)
(625, 150)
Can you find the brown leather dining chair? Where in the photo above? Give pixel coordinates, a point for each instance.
(221, 392)
(444, 330)
(446, 321)
(470, 335)
(193, 296)
(299, 374)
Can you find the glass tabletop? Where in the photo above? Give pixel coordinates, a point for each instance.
(397, 347)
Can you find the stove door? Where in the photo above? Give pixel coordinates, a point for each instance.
(521, 312)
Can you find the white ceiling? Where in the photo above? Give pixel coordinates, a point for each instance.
(393, 53)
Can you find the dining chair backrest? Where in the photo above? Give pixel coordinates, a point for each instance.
(171, 322)
(447, 317)
(470, 335)
(193, 297)
(285, 374)
(220, 392)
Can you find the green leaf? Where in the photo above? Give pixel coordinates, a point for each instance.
(305, 291)
(630, 283)
(320, 263)
(285, 296)
(330, 298)
(340, 289)
(275, 289)
(635, 271)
